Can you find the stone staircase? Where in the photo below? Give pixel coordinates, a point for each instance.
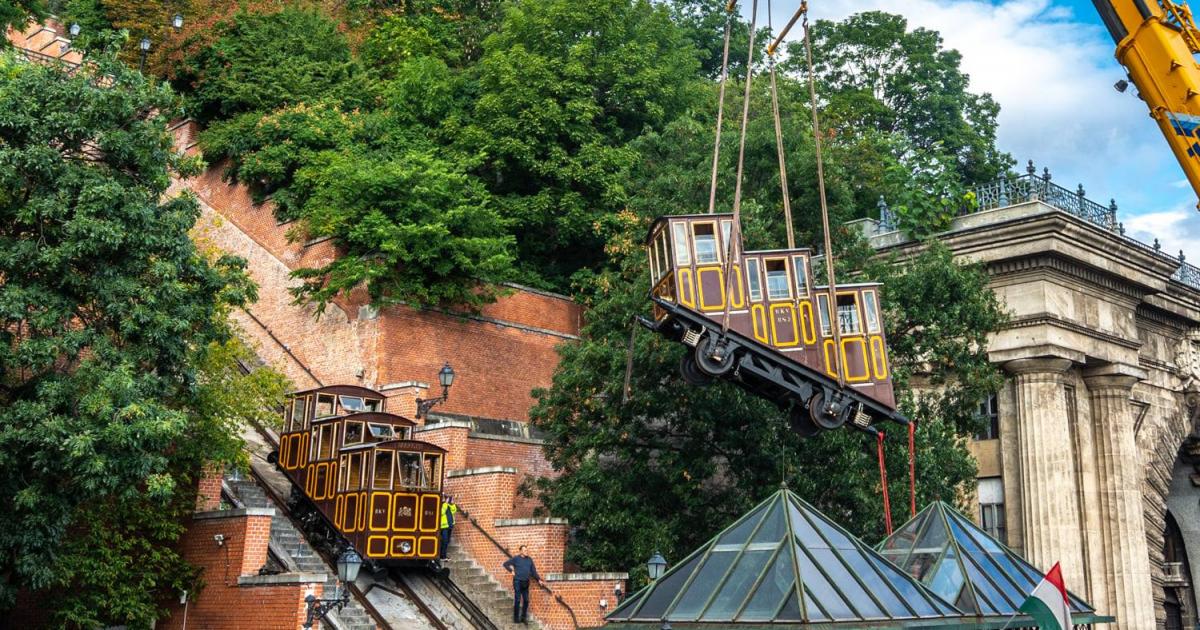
(493, 599)
(285, 538)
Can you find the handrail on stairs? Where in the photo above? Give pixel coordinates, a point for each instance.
(504, 550)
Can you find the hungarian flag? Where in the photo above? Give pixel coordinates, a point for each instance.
(1047, 604)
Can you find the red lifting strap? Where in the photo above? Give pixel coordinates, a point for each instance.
(887, 503)
(912, 470)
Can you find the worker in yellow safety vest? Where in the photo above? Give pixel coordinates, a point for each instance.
(449, 509)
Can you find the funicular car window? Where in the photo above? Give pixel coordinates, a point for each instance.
(823, 314)
(683, 254)
(352, 404)
(328, 437)
(431, 471)
(325, 405)
(705, 239)
(726, 234)
(372, 404)
(871, 309)
(342, 462)
(381, 431)
(409, 467)
(800, 268)
(382, 479)
(664, 251)
(777, 279)
(354, 433)
(300, 413)
(753, 281)
(355, 471)
(848, 320)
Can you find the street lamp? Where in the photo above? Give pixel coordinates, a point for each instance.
(177, 22)
(145, 46)
(348, 564)
(446, 379)
(656, 566)
(74, 29)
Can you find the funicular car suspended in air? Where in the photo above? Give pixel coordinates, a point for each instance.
(779, 343)
(359, 467)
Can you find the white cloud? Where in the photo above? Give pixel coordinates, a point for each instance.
(1052, 73)
(1176, 230)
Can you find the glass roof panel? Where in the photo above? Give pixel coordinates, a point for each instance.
(737, 586)
(903, 540)
(846, 583)
(665, 591)
(770, 593)
(803, 531)
(830, 532)
(909, 593)
(892, 606)
(740, 532)
(820, 590)
(947, 580)
(791, 610)
(814, 611)
(773, 526)
(934, 538)
(627, 606)
(991, 602)
(698, 592)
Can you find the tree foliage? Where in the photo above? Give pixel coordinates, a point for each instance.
(18, 13)
(114, 351)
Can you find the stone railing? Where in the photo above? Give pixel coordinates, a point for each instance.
(1031, 186)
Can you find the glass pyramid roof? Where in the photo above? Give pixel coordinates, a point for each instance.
(962, 564)
(785, 563)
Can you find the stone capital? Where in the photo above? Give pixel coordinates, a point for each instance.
(1041, 365)
(1114, 376)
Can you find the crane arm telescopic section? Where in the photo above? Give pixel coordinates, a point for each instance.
(1155, 42)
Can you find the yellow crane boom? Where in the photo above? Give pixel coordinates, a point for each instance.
(1155, 42)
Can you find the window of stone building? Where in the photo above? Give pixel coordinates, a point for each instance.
(991, 508)
(991, 419)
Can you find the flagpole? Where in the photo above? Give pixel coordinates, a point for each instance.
(1010, 620)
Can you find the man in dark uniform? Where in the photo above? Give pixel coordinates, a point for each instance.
(522, 568)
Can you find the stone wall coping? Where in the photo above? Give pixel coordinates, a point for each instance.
(281, 578)
(506, 438)
(235, 513)
(486, 470)
(585, 577)
(517, 522)
(404, 384)
(444, 424)
(542, 292)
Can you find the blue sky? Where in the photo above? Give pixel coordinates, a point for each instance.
(1050, 65)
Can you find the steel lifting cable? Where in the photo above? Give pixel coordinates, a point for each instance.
(912, 469)
(712, 189)
(834, 324)
(733, 247)
(883, 484)
(783, 183)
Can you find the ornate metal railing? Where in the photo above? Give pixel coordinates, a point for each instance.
(1031, 186)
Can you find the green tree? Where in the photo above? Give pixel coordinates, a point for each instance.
(259, 62)
(563, 86)
(113, 325)
(876, 74)
(18, 13)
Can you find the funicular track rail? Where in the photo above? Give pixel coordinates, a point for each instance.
(399, 577)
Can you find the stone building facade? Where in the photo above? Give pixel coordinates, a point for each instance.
(1090, 459)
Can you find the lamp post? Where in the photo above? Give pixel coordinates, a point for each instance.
(656, 566)
(348, 564)
(446, 379)
(145, 46)
(177, 22)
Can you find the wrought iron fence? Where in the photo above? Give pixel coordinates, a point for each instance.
(1031, 186)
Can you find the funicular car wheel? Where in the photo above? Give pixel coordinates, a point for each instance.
(824, 418)
(715, 356)
(691, 372)
(801, 422)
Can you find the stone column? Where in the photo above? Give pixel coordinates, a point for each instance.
(1050, 524)
(1126, 568)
